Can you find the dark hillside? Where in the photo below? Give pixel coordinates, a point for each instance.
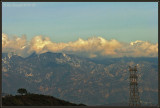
(35, 100)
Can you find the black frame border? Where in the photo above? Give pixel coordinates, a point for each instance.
(79, 1)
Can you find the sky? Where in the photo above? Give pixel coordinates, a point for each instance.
(66, 22)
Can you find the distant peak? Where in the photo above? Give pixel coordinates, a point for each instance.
(136, 42)
(10, 54)
(33, 54)
(64, 54)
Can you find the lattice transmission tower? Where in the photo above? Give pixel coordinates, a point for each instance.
(134, 99)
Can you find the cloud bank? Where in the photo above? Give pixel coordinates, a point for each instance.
(92, 47)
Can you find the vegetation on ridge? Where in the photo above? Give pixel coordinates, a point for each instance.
(30, 99)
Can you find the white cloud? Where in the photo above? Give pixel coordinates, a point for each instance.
(92, 47)
(138, 49)
(16, 44)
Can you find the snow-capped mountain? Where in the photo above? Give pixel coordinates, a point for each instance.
(79, 80)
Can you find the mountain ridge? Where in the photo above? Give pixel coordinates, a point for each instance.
(35, 100)
(72, 78)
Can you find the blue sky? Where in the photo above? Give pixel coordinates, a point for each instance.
(64, 22)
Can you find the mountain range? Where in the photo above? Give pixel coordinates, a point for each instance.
(91, 81)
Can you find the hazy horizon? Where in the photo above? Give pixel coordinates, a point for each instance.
(92, 47)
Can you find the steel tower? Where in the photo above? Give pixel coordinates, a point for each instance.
(134, 99)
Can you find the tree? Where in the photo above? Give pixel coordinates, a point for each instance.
(22, 91)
